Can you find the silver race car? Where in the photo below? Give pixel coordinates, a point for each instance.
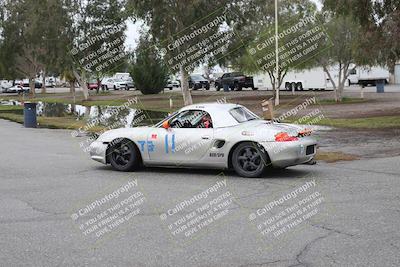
(210, 135)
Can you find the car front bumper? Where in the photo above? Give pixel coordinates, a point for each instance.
(285, 154)
(120, 86)
(98, 151)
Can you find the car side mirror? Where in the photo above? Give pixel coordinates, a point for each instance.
(166, 125)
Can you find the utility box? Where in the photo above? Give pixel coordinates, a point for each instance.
(380, 86)
(30, 120)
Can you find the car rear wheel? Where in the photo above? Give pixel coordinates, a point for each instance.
(299, 86)
(249, 160)
(124, 156)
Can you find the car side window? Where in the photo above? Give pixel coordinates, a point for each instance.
(192, 119)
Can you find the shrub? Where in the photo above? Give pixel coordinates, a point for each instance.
(148, 71)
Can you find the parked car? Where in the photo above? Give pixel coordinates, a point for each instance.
(114, 83)
(231, 137)
(18, 88)
(235, 81)
(197, 81)
(129, 82)
(171, 84)
(4, 84)
(50, 82)
(92, 85)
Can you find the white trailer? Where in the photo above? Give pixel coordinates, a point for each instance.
(368, 75)
(317, 79)
(311, 79)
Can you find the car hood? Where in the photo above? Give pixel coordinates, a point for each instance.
(110, 135)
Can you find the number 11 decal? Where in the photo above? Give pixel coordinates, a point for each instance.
(166, 142)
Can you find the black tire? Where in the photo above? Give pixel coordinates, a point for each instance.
(299, 86)
(288, 86)
(254, 88)
(126, 87)
(115, 87)
(294, 85)
(124, 156)
(249, 160)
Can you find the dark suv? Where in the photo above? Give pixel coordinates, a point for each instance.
(197, 82)
(235, 81)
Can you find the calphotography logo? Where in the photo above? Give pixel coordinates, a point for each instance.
(280, 216)
(103, 216)
(299, 40)
(198, 213)
(103, 51)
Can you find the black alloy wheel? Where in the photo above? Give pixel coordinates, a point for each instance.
(124, 156)
(249, 160)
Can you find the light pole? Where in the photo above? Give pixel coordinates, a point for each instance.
(277, 56)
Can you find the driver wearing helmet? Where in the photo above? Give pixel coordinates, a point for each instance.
(206, 122)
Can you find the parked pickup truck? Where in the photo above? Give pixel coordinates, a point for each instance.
(235, 81)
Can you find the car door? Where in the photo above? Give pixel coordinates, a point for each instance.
(186, 142)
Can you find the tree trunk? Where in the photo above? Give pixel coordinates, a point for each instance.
(272, 79)
(32, 87)
(187, 97)
(332, 81)
(72, 91)
(44, 82)
(82, 82)
(339, 95)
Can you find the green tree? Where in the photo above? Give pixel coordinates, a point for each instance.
(380, 23)
(33, 37)
(345, 51)
(99, 36)
(148, 70)
(259, 26)
(168, 20)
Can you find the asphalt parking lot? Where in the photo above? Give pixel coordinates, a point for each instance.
(45, 177)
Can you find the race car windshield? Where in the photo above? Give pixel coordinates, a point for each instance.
(242, 114)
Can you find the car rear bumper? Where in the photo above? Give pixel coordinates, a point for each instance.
(285, 154)
(98, 151)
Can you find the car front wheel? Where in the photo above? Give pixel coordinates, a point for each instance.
(124, 156)
(249, 160)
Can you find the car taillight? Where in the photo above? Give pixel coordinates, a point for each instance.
(285, 137)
